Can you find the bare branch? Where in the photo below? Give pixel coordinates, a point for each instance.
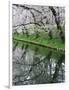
(55, 15)
(27, 24)
(28, 8)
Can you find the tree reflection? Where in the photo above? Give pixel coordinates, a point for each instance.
(33, 67)
(57, 68)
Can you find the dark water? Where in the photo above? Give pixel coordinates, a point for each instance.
(33, 64)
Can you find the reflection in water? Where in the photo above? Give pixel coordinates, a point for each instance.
(36, 65)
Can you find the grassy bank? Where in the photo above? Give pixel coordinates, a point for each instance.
(51, 43)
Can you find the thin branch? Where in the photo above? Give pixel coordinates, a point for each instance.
(27, 24)
(26, 7)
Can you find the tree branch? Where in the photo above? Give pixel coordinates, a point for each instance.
(27, 24)
(28, 8)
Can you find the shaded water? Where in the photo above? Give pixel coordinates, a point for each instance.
(33, 64)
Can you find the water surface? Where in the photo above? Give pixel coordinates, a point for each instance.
(33, 64)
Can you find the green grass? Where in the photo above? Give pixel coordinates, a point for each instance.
(53, 43)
